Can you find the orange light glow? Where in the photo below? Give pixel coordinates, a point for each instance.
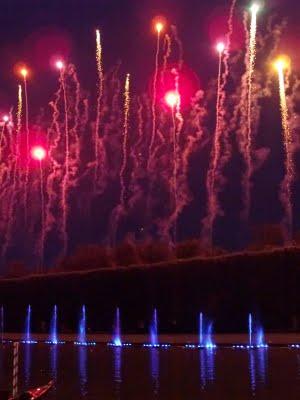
(282, 63)
(172, 98)
(38, 153)
(159, 26)
(24, 72)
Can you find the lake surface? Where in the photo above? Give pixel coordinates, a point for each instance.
(107, 373)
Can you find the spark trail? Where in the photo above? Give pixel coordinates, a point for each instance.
(286, 189)
(125, 140)
(38, 153)
(42, 217)
(251, 67)
(65, 182)
(158, 27)
(12, 197)
(24, 73)
(99, 99)
(212, 192)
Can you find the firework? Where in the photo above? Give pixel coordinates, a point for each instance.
(24, 73)
(158, 27)
(125, 139)
(172, 99)
(99, 97)
(251, 67)
(65, 182)
(282, 65)
(212, 193)
(39, 153)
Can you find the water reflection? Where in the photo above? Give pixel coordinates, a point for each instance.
(53, 361)
(154, 363)
(207, 366)
(82, 369)
(27, 364)
(117, 359)
(257, 368)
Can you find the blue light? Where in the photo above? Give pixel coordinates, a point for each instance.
(28, 342)
(118, 344)
(54, 342)
(85, 344)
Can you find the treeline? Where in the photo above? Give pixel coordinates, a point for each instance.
(129, 252)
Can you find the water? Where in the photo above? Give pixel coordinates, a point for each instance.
(27, 336)
(154, 329)
(255, 333)
(250, 329)
(110, 373)
(117, 341)
(205, 332)
(53, 327)
(82, 326)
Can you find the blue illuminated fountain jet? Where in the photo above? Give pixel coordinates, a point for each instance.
(117, 329)
(53, 327)
(154, 330)
(256, 334)
(205, 335)
(256, 337)
(27, 338)
(28, 325)
(82, 339)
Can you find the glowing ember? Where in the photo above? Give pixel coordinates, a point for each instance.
(38, 153)
(255, 8)
(282, 63)
(220, 47)
(24, 72)
(159, 27)
(172, 98)
(59, 64)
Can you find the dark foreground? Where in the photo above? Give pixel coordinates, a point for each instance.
(225, 289)
(166, 374)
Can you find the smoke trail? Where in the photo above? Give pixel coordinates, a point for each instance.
(65, 182)
(176, 137)
(250, 72)
(97, 140)
(27, 151)
(42, 240)
(179, 45)
(286, 185)
(168, 48)
(125, 140)
(54, 137)
(212, 192)
(154, 89)
(13, 190)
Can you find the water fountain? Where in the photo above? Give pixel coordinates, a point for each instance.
(117, 340)
(256, 337)
(205, 335)
(154, 330)
(53, 337)
(82, 339)
(27, 338)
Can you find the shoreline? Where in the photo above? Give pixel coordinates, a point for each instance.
(272, 339)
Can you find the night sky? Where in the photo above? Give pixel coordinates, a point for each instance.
(34, 32)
